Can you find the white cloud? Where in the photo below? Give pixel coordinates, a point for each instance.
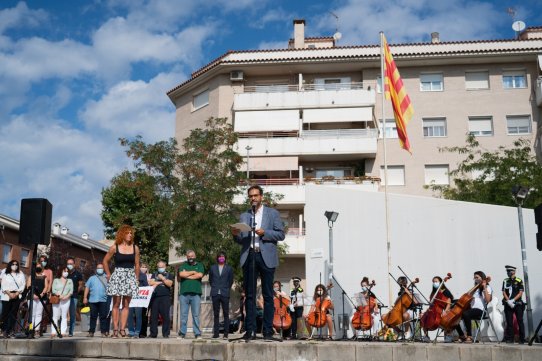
(20, 16)
(266, 45)
(273, 15)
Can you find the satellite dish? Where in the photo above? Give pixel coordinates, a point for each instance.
(337, 36)
(518, 25)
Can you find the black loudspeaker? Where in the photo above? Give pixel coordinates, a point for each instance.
(35, 223)
(538, 215)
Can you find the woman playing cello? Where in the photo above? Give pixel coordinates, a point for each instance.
(366, 308)
(441, 302)
(318, 315)
(481, 297)
(403, 309)
(281, 318)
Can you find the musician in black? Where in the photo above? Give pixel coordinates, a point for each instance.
(512, 291)
(296, 305)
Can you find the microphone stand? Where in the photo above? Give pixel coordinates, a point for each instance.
(253, 269)
(343, 294)
(402, 313)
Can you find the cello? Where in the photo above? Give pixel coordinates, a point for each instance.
(318, 317)
(281, 319)
(395, 316)
(450, 320)
(362, 319)
(430, 320)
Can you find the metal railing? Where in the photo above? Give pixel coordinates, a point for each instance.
(323, 180)
(337, 133)
(281, 88)
(295, 231)
(275, 182)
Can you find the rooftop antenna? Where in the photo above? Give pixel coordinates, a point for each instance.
(518, 26)
(337, 36)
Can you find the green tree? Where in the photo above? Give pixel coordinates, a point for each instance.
(496, 173)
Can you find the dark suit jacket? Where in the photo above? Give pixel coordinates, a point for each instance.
(222, 282)
(273, 232)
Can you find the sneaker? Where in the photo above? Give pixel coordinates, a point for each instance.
(269, 338)
(247, 337)
(181, 335)
(216, 336)
(90, 334)
(448, 339)
(197, 337)
(225, 337)
(426, 339)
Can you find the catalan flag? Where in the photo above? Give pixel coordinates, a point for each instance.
(395, 90)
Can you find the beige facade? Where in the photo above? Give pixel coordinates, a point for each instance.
(312, 114)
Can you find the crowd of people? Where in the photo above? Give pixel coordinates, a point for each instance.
(108, 293)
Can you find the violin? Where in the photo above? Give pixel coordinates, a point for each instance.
(430, 320)
(362, 319)
(449, 321)
(395, 316)
(281, 319)
(318, 317)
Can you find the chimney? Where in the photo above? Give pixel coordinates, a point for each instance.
(435, 38)
(85, 236)
(56, 228)
(299, 34)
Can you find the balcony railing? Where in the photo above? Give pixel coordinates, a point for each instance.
(323, 180)
(338, 133)
(274, 182)
(295, 231)
(280, 88)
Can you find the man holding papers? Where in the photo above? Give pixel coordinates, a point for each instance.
(259, 257)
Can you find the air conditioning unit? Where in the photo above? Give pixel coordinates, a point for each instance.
(236, 75)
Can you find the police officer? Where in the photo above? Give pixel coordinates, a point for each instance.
(296, 305)
(512, 291)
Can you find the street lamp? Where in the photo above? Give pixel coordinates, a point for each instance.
(248, 148)
(520, 193)
(331, 218)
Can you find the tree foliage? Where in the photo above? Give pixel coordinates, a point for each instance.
(488, 176)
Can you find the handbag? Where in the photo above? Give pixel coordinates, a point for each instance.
(54, 299)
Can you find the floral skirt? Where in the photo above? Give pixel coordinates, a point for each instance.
(122, 283)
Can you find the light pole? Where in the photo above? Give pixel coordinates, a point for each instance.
(520, 193)
(248, 148)
(331, 218)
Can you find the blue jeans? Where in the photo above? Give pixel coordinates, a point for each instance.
(134, 327)
(193, 301)
(73, 306)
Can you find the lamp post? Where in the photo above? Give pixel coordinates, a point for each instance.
(248, 148)
(520, 193)
(331, 218)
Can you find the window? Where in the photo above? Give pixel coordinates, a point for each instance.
(200, 100)
(205, 292)
(391, 128)
(476, 80)
(6, 253)
(518, 124)
(437, 174)
(379, 84)
(332, 83)
(431, 83)
(24, 257)
(396, 175)
(513, 79)
(434, 127)
(481, 126)
(333, 172)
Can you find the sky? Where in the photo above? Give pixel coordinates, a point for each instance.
(75, 75)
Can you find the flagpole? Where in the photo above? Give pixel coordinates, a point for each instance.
(383, 91)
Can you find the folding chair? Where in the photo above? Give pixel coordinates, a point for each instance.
(485, 317)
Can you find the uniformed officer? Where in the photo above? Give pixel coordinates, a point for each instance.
(296, 306)
(512, 291)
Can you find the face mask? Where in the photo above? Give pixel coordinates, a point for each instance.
(38, 269)
(70, 267)
(144, 270)
(477, 281)
(191, 260)
(319, 293)
(221, 259)
(363, 289)
(161, 270)
(44, 263)
(276, 289)
(14, 268)
(510, 274)
(436, 284)
(100, 271)
(65, 274)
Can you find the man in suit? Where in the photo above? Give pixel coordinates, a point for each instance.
(259, 258)
(221, 280)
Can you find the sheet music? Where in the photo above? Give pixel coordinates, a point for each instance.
(243, 227)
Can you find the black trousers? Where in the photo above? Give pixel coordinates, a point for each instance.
(9, 314)
(224, 302)
(297, 314)
(509, 314)
(468, 316)
(160, 306)
(144, 322)
(101, 310)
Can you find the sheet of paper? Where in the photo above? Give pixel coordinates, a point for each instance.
(243, 227)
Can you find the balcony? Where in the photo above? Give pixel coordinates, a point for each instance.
(314, 142)
(295, 240)
(293, 189)
(538, 91)
(309, 96)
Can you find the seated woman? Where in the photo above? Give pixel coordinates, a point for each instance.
(366, 305)
(481, 298)
(400, 321)
(442, 298)
(319, 315)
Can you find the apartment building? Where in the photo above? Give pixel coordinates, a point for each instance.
(312, 113)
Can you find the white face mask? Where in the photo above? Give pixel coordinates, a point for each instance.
(144, 270)
(65, 274)
(436, 284)
(319, 293)
(363, 289)
(276, 289)
(14, 268)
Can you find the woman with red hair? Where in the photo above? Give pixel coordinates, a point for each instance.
(123, 281)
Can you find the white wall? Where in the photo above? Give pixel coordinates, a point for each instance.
(428, 237)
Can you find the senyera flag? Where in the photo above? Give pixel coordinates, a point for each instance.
(395, 90)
